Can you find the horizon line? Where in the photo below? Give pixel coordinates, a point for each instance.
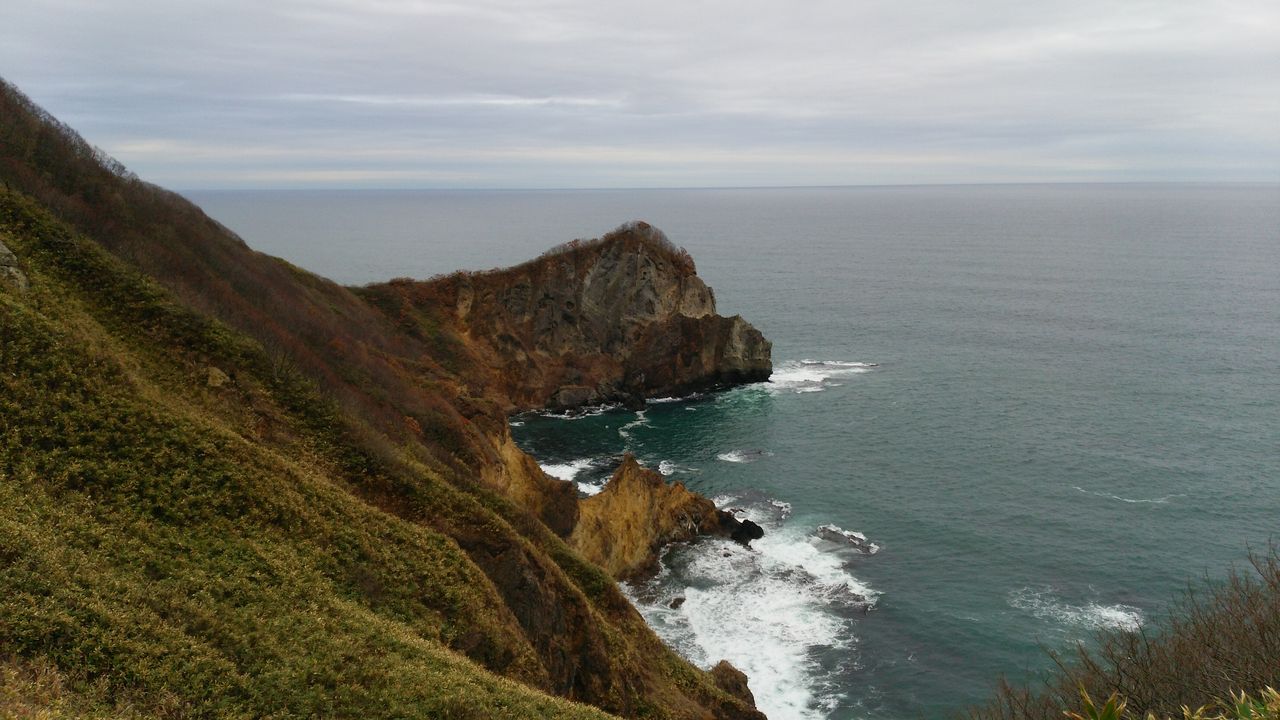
(429, 188)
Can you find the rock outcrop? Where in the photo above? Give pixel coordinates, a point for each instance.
(624, 527)
(9, 271)
(617, 319)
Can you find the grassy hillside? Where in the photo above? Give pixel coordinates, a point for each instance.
(148, 544)
(231, 488)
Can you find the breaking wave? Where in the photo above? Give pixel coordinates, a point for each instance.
(805, 376)
(1043, 603)
(579, 413)
(743, 456)
(780, 610)
(572, 472)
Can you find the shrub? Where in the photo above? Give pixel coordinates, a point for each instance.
(1215, 642)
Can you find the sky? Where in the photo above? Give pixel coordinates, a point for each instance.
(693, 93)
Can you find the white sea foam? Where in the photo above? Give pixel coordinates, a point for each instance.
(583, 412)
(667, 467)
(681, 398)
(566, 471)
(770, 609)
(1044, 603)
(743, 456)
(625, 430)
(570, 470)
(852, 538)
(1151, 501)
(806, 376)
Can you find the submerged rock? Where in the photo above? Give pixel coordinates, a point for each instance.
(847, 538)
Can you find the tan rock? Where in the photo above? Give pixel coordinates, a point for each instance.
(623, 528)
(215, 378)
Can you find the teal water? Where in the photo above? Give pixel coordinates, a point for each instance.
(1047, 408)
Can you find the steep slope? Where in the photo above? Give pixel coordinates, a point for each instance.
(233, 488)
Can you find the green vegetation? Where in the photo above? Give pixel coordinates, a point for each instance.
(1213, 644)
(157, 561)
(1240, 707)
(229, 488)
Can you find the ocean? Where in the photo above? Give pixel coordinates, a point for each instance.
(1002, 417)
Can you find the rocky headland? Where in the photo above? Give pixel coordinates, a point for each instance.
(617, 319)
(232, 487)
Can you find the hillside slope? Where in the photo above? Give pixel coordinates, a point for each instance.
(232, 488)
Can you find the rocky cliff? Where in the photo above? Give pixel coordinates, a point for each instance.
(624, 527)
(617, 319)
(229, 487)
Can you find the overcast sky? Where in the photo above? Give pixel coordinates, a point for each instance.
(589, 93)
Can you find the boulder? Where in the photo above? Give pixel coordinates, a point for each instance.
(10, 273)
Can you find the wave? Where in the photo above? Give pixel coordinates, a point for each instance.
(625, 430)
(743, 456)
(676, 398)
(569, 472)
(773, 610)
(667, 467)
(1152, 501)
(1043, 603)
(806, 376)
(566, 471)
(579, 413)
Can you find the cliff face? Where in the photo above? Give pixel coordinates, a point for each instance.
(616, 319)
(221, 474)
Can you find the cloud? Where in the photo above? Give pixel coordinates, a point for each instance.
(572, 93)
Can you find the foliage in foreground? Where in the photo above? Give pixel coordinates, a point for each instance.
(1214, 643)
(1240, 707)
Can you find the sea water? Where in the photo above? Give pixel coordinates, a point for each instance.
(1001, 417)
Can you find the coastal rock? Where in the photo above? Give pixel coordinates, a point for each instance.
(740, 531)
(733, 681)
(9, 270)
(847, 538)
(616, 319)
(624, 527)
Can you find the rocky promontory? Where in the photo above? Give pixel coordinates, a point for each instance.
(224, 473)
(624, 527)
(617, 319)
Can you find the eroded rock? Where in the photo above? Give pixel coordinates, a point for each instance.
(623, 528)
